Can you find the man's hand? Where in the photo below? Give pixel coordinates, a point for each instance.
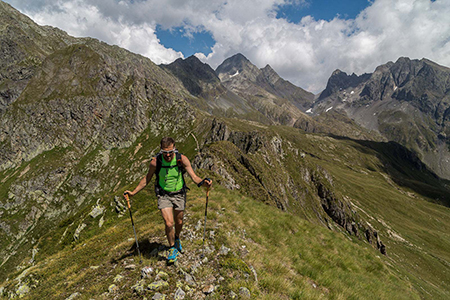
(129, 193)
(207, 182)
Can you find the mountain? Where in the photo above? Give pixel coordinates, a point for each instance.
(208, 92)
(264, 90)
(291, 214)
(197, 77)
(406, 101)
(64, 100)
(24, 46)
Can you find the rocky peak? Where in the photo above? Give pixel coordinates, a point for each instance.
(237, 65)
(193, 74)
(270, 75)
(410, 80)
(406, 100)
(340, 80)
(336, 72)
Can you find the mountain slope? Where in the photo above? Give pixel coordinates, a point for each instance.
(264, 90)
(23, 47)
(209, 93)
(81, 103)
(104, 263)
(87, 251)
(406, 101)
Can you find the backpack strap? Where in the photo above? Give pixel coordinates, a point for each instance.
(182, 170)
(158, 167)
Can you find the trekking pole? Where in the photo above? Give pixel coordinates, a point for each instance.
(134, 230)
(204, 231)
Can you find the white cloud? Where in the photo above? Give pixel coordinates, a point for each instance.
(82, 19)
(305, 53)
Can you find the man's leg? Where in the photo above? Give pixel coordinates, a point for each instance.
(167, 214)
(178, 221)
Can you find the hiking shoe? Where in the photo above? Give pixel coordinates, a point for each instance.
(173, 253)
(178, 245)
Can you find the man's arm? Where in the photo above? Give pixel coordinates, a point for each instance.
(146, 180)
(190, 171)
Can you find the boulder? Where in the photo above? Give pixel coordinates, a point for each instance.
(157, 285)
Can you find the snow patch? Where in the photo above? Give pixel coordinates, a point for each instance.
(235, 74)
(329, 109)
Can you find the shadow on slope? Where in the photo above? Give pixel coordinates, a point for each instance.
(406, 169)
(148, 250)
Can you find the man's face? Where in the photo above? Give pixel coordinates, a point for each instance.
(168, 152)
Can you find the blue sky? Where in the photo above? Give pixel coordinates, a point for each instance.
(304, 41)
(187, 43)
(202, 42)
(323, 9)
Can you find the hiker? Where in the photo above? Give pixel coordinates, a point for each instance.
(170, 188)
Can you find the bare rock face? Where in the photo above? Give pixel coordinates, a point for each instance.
(407, 102)
(340, 80)
(70, 103)
(197, 77)
(278, 100)
(341, 212)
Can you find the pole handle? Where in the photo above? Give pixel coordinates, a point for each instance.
(128, 200)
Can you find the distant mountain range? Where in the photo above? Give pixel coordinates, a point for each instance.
(238, 88)
(407, 102)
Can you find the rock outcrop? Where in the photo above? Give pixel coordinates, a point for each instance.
(255, 163)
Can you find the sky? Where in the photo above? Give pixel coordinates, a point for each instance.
(304, 41)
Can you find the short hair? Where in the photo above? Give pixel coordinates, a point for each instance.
(166, 142)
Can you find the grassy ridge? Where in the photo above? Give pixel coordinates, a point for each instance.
(292, 257)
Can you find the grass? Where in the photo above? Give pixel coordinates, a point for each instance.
(293, 258)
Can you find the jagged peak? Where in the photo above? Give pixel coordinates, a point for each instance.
(194, 59)
(235, 65)
(336, 72)
(270, 74)
(403, 59)
(268, 68)
(238, 57)
(191, 60)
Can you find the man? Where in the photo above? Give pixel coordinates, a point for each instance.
(170, 189)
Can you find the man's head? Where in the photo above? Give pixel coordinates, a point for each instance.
(168, 148)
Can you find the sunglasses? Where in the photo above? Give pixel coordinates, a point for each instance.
(168, 152)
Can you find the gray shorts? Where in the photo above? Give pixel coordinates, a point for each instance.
(178, 202)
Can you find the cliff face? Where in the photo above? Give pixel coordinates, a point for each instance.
(24, 46)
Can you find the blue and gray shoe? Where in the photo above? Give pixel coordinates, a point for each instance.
(178, 245)
(173, 253)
